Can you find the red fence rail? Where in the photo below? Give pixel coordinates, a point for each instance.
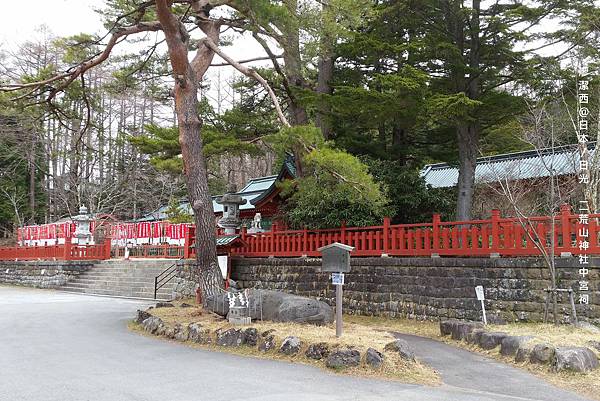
(497, 235)
(501, 236)
(66, 251)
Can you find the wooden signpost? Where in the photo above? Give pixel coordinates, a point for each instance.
(336, 259)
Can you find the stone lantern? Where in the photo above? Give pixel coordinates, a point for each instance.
(82, 226)
(231, 210)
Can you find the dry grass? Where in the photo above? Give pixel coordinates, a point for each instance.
(362, 332)
(357, 335)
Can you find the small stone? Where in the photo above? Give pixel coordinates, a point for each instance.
(340, 359)
(290, 345)
(251, 336)
(446, 326)
(542, 353)
(460, 330)
(181, 333)
(577, 359)
(511, 344)
(184, 305)
(164, 305)
(198, 334)
(230, 338)
(374, 358)
(594, 344)
(523, 353)
(317, 351)
(267, 333)
(491, 340)
(169, 332)
(401, 347)
(141, 316)
(475, 336)
(266, 344)
(152, 323)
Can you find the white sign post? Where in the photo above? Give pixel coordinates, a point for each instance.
(481, 298)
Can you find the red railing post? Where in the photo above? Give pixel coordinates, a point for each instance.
(495, 248)
(343, 232)
(107, 248)
(565, 215)
(67, 253)
(187, 242)
(273, 229)
(305, 241)
(435, 232)
(386, 236)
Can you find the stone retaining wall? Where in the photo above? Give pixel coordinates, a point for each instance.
(41, 274)
(427, 288)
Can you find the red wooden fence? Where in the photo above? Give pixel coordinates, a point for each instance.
(67, 251)
(501, 236)
(497, 235)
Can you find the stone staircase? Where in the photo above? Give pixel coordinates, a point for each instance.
(124, 278)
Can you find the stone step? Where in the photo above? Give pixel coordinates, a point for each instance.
(142, 295)
(111, 280)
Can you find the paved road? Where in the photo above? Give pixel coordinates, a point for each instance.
(467, 370)
(59, 346)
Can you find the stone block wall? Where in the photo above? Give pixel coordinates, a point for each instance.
(41, 274)
(429, 288)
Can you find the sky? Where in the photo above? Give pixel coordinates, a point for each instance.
(19, 21)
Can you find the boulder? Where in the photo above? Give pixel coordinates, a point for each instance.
(577, 359)
(152, 324)
(169, 332)
(374, 358)
(401, 347)
(475, 336)
(266, 344)
(317, 351)
(511, 344)
(446, 326)
(267, 333)
(340, 359)
(181, 333)
(491, 340)
(290, 345)
(230, 338)
(460, 330)
(523, 353)
(164, 305)
(185, 305)
(141, 316)
(251, 336)
(541, 353)
(198, 334)
(277, 307)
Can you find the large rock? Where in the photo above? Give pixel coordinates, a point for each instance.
(474, 336)
(491, 340)
(141, 316)
(401, 347)
(267, 343)
(152, 324)
(290, 345)
(277, 307)
(317, 351)
(374, 358)
(198, 334)
(446, 326)
(340, 359)
(460, 330)
(577, 359)
(594, 344)
(230, 338)
(181, 333)
(164, 305)
(523, 353)
(511, 344)
(542, 353)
